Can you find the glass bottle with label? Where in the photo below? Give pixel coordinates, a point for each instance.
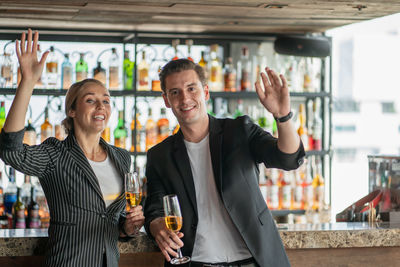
(136, 131)
(33, 211)
(229, 76)
(66, 72)
(204, 64)
(120, 132)
(26, 190)
(52, 69)
(143, 74)
(316, 126)
(189, 44)
(99, 73)
(81, 68)
(105, 134)
(19, 212)
(59, 129)
(215, 70)
(155, 82)
(244, 68)
(302, 130)
(163, 126)
(10, 196)
(128, 71)
(46, 129)
(151, 131)
(113, 70)
(2, 114)
(175, 44)
(6, 72)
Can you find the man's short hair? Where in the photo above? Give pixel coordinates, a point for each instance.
(179, 65)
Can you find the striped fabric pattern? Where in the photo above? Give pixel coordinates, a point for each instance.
(81, 228)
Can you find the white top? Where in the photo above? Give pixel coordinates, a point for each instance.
(217, 239)
(109, 179)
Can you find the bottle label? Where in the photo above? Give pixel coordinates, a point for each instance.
(20, 219)
(34, 220)
(6, 72)
(46, 134)
(144, 77)
(81, 75)
(100, 76)
(120, 142)
(9, 200)
(51, 67)
(30, 138)
(245, 81)
(230, 82)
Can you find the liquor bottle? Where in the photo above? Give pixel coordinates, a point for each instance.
(143, 74)
(10, 196)
(26, 190)
(66, 73)
(273, 192)
(203, 63)
(128, 71)
(105, 134)
(229, 76)
(216, 75)
(52, 69)
(39, 83)
(81, 68)
(120, 132)
(239, 109)
(59, 129)
(113, 70)
(151, 131)
(292, 75)
(136, 129)
(6, 72)
(99, 73)
(260, 63)
(244, 68)
(308, 75)
(175, 43)
(19, 212)
(2, 114)
(155, 82)
(316, 126)
(162, 126)
(33, 211)
(318, 185)
(189, 44)
(302, 130)
(287, 202)
(46, 129)
(2, 208)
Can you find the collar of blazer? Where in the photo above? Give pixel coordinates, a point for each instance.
(81, 160)
(182, 161)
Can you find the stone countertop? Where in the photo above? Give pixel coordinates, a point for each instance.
(19, 242)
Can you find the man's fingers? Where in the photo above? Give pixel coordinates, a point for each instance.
(29, 43)
(259, 91)
(22, 44)
(35, 42)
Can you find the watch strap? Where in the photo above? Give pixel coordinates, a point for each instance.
(285, 118)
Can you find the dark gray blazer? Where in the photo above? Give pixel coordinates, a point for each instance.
(237, 147)
(81, 227)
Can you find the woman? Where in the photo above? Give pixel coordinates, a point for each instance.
(81, 176)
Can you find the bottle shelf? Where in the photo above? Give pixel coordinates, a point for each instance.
(278, 213)
(61, 92)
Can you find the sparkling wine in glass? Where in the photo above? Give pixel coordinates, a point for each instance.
(133, 191)
(173, 221)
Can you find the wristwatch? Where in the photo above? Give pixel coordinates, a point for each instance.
(284, 118)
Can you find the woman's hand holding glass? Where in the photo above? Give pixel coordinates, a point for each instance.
(134, 216)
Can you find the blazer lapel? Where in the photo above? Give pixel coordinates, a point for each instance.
(215, 150)
(81, 160)
(182, 163)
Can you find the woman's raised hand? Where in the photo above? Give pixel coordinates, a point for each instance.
(31, 68)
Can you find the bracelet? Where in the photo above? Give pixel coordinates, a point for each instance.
(284, 118)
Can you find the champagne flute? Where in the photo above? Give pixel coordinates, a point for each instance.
(133, 193)
(173, 221)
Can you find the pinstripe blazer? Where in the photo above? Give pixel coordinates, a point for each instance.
(81, 227)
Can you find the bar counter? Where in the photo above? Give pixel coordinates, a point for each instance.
(337, 244)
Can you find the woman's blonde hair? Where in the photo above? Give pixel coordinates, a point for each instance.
(70, 102)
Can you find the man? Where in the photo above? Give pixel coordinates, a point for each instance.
(212, 166)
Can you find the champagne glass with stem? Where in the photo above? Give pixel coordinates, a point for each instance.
(133, 191)
(173, 221)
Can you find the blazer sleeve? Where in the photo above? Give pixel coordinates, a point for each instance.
(153, 207)
(264, 148)
(31, 160)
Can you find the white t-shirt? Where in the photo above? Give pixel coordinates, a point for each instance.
(109, 179)
(217, 239)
